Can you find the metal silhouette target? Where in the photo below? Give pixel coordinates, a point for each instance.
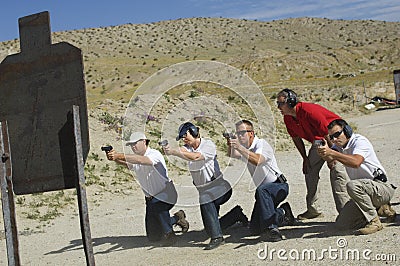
(216, 112)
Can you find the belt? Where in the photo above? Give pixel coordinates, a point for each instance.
(381, 178)
(281, 179)
(149, 198)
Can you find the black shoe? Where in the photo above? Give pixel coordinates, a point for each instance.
(289, 217)
(274, 235)
(181, 222)
(214, 243)
(232, 217)
(254, 231)
(242, 218)
(168, 239)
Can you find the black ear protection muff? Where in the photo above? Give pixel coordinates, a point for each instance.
(291, 98)
(193, 130)
(348, 131)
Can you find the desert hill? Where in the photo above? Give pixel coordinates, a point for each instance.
(300, 53)
(337, 63)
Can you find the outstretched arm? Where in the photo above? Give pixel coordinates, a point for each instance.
(183, 153)
(123, 159)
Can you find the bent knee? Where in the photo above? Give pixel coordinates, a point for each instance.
(352, 186)
(355, 189)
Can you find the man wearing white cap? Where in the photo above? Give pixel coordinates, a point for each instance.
(160, 194)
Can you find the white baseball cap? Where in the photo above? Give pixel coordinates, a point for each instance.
(135, 136)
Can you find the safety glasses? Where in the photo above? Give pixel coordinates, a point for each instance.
(335, 135)
(242, 132)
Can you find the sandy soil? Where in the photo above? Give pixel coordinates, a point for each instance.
(117, 223)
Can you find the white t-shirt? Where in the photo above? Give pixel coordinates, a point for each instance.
(204, 170)
(152, 178)
(267, 171)
(359, 144)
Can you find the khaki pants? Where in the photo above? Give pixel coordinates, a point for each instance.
(338, 178)
(367, 195)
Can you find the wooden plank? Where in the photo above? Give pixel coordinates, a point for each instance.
(7, 198)
(81, 191)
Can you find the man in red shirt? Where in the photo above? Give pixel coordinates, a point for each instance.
(310, 121)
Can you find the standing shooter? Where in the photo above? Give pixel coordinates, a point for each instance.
(309, 121)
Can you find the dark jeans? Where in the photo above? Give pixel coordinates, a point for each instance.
(209, 209)
(265, 213)
(158, 221)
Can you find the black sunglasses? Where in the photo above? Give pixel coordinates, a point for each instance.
(242, 132)
(335, 135)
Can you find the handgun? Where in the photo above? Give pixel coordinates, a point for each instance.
(107, 148)
(163, 143)
(319, 142)
(229, 135)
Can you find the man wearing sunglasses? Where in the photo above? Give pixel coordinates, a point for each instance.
(271, 185)
(160, 194)
(309, 121)
(369, 189)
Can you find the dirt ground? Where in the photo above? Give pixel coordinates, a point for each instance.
(117, 223)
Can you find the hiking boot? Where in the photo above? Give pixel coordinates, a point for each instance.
(309, 215)
(387, 211)
(181, 222)
(288, 219)
(214, 243)
(372, 227)
(168, 239)
(274, 235)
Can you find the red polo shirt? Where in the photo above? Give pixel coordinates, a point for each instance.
(311, 121)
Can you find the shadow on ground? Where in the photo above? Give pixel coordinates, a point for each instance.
(236, 234)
